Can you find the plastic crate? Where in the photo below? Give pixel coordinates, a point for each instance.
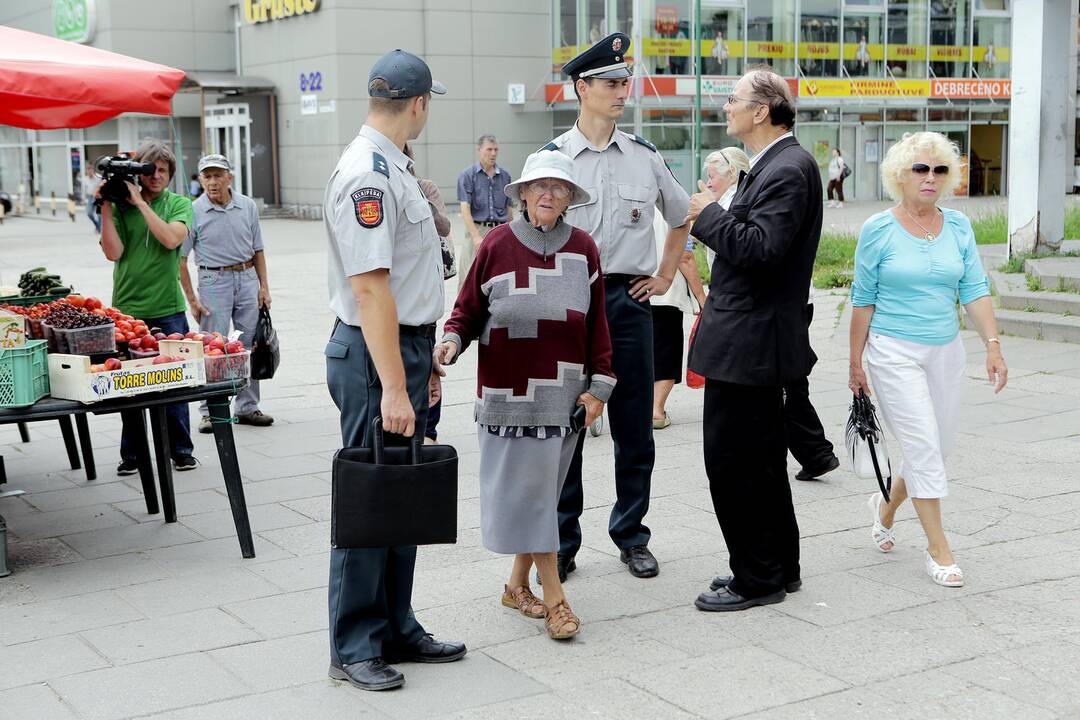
(24, 374)
(220, 368)
(81, 341)
(28, 300)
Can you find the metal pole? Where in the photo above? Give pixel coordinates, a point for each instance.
(695, 48)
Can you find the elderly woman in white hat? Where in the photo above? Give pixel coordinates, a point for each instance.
(534, 301)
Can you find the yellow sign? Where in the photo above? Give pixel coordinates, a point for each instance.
(762, 49)
(260, 11)
(882, 88)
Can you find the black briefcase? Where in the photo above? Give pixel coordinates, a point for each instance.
(397, 495)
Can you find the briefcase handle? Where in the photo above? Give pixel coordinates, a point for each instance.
(377, 442)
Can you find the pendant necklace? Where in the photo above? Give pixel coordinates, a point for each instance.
(930, 237)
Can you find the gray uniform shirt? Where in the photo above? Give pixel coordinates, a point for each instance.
(627, 180)
(376, 217)
(222, 236)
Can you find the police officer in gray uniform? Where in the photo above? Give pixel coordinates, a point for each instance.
(386, 288)
(628, 181)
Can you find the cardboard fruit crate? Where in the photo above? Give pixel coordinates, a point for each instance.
(71, 378)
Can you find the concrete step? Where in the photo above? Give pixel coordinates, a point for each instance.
(1055, 273)
(1039, 325)
(1013, 294)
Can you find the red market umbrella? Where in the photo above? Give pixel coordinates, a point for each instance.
(47, 83)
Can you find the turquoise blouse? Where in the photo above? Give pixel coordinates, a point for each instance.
(914, 284)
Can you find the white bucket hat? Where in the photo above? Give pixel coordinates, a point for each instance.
(548, 164)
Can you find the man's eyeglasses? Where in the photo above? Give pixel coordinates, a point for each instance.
(557, 190)
(923, 168)
(733, 98)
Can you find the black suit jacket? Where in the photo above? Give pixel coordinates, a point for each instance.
(753, 326)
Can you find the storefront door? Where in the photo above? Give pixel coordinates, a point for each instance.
(228, 133)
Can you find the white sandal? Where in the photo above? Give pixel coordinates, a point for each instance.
(882, 535)
(941, 573)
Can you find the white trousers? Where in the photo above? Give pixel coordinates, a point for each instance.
(918, 389)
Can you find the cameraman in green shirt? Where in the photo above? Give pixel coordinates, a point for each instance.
(143, 239)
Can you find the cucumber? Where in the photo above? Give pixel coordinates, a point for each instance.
(65, 291)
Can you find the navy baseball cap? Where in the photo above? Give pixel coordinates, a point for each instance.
(405, 74)
(605, 59)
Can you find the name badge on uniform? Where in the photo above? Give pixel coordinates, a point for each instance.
(635, 215)
(367, 203)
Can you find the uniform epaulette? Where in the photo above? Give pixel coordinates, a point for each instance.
(642, 141)
(380, 165)
(550, 146)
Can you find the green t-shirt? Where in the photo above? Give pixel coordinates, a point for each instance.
(146, 280)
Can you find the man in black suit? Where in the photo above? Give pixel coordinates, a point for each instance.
(753, 339)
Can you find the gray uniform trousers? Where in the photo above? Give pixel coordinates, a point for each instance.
(370, 591)
(232, 297)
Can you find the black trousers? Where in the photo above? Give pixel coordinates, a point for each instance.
(370, 590)
(630, 419)
(806, 436)
(746, 462)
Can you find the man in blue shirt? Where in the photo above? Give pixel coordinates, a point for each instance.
(484, 205)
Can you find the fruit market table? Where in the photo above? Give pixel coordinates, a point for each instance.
(217, 396)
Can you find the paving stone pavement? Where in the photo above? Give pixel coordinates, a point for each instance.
(110, 613)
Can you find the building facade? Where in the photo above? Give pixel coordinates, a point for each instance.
(864, 73)
(280, 85)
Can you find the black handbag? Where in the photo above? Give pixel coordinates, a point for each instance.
(265, 353)
(399, 495)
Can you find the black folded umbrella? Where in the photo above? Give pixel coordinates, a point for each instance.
(863, 427)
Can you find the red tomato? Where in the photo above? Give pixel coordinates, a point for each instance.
(77, 301)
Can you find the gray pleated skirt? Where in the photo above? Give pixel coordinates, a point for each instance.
(520, 482)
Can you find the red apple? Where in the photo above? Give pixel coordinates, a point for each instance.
(215, 352)
(234, 347)
(148, 343)
(216, 344)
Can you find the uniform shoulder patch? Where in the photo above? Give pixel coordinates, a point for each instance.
(379, 164)
(642, 141)
(368, 206)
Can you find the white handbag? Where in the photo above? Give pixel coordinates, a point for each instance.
(865, 443)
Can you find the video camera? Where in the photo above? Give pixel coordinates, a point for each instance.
(115, 171)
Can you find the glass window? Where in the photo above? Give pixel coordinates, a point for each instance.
(990, 53)
(819, 38)
(818, 115)
(819, 140)
(864, 44)
(102, 132)
(722, 40)
(13, 169)
(564, 19)
(594, 27)
(946, 114)
(624, 17)
(665, 33)
(906, 51)
(991, 6)
(10, 134)
(949, 49)
(674, 143)
(770, 34)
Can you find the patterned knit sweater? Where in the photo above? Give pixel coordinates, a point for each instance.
(535, 302)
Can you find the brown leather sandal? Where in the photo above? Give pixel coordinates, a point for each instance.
(523, 600)
(562, 623)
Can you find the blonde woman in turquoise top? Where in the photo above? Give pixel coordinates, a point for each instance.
(913, 262)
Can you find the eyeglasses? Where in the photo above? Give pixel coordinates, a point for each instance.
(923, 168)
(557, 190)
(733, 98)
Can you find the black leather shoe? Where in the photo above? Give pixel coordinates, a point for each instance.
(640, 562)
(373, 674)
(723, 600)
(427, 650)
(565, 566)
(724, 580)
(815, 473)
